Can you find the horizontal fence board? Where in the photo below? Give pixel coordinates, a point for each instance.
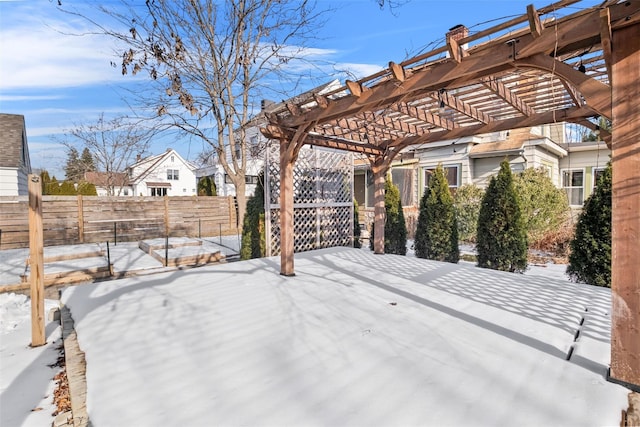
(135, 218)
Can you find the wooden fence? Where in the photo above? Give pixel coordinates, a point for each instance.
(88, 219)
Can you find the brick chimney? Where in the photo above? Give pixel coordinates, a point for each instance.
(458, 32)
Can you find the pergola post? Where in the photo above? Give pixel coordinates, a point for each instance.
(286, 209)
(379, 171)
(625, 269)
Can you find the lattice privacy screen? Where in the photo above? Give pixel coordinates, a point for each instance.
(323, 199)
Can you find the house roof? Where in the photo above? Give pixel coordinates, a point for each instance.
(105, 179)
(513, 143)
(149, 163)
(13, 141)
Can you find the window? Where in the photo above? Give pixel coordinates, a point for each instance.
(573, 184)
(251, 179)
(451, 172)
(547, 168)
(597, 173)
(158, 191)
(172, 174)
(403, 179)
(126, 192)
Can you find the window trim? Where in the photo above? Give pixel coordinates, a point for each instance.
(594, 181)
(452, 188)
(173, 174)
(566, 188)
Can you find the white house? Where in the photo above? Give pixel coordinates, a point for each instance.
(110, 183)
(15, 164)
(166, 174)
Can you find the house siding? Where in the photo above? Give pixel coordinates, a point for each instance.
(9, 182)
(15, 164)
(154, 170)
(596, 157)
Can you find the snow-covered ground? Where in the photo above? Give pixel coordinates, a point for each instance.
(26, 379)
(352, 339)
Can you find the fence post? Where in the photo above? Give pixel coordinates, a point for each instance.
(199, 230)
(166, 250)
(115, 234)
(80, 219)
(36, 259)
(166, 215)
(109, 260)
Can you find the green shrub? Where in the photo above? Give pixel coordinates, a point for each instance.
(437, 229)
(356, 226)
(467, 202)
(206, 186)
(253, 227)
(502, 236)
(544, 206)
(87, 189)
(67, 189)
(590, 257)
(395, 229)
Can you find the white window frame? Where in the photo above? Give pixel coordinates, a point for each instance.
(594, 181)
(569, 188)
(452, 188)
(173, 174)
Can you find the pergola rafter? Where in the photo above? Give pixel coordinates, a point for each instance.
(530, 70)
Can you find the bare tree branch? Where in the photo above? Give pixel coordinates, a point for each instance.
(114, 144)
(210, 63)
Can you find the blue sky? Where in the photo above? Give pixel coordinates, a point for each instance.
(58, 80)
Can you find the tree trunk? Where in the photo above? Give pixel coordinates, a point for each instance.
(241, 199)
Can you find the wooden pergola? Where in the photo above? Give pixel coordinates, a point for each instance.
(546, 66)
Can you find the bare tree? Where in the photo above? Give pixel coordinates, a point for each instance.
(114, 144)
(211, 62)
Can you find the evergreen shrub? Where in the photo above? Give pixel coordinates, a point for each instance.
(395, 229)
(467, 202)
(253, 226)
(437, 230)
(502, 235)
(590, 257)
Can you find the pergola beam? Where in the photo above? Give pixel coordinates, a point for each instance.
(568, 114)
(605, 38)
(507, 95)
(464, 108)
(535, 26)
(578, 33)
(597, 95)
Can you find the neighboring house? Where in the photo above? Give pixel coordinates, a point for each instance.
(110, 183)
(256, 144)
(166, 174)
(473, 160)
(15, 164)
(581, 168)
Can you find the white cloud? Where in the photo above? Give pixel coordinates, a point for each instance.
(38, 52)
(16, 98)
(357, 70)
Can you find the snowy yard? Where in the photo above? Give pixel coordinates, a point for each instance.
(352, 339)
(26, 386)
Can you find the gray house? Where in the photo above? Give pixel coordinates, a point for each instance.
(14, 155)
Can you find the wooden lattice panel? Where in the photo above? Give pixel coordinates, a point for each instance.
(323, 194)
